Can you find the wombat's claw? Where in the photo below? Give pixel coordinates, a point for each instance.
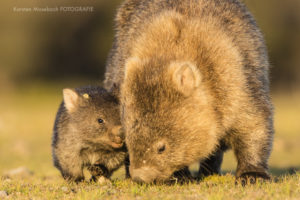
(174, 180)
(181, 180)
(93, 179)
(252, 178)
(182, 176)
(98, 170)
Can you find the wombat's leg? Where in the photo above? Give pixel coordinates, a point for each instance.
(183, 175)
(72, 172)
(68, 161)
(252, 144)
(127, 163)
(211, 165)
(97, 171)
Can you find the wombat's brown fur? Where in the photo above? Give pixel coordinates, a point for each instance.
(87, 132)
(194, 81)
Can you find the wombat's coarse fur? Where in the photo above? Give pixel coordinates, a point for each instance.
(87, 133)
(194, 79)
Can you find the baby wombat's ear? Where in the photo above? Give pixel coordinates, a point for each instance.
(71, 99)
(186, 76)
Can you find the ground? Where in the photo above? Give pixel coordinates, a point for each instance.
(26, 119)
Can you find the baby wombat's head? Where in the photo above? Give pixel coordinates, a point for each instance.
(93, 115)
(168, 120)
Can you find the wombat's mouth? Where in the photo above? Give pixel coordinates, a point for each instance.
(116, 145)
(116, 142)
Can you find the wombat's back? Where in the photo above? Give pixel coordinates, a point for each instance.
(221, 36)
(229, 16)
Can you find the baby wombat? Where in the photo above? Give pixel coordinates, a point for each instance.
(194, 81)
(88, 133)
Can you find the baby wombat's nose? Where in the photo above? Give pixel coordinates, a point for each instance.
(117, 131)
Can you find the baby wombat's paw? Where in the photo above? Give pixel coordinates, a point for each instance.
(99, 173)
(252, 178)
(98, 170)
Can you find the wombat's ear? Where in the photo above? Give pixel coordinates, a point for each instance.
(131, 65)
(186, 76)
(70, 99)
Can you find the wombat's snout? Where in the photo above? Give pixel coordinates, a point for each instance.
(117, 131)
(117, 136)
(144, 174)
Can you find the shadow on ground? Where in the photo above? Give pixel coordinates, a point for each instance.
(274, 171)
(284, 171)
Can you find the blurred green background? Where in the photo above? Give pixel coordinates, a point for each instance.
(43, 52)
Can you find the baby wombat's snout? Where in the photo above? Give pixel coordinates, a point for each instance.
(117, 137)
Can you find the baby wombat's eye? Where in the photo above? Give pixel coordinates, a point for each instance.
(100, 121)
(161, 148)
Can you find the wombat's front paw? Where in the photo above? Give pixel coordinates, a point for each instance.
(98, 170)
(95, 170)
(252, 178)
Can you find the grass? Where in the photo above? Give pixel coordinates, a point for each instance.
(26, 119)
(214, 187)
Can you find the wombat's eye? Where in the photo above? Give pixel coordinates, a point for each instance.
(161, 149)
(100, 121)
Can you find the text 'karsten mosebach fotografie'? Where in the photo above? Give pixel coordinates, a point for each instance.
(55, 9)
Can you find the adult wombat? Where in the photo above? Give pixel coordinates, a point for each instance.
(194, 81)
(87, 132)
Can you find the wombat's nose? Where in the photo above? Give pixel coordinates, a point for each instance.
(117, 131)
(117, 137)
(143, 175)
